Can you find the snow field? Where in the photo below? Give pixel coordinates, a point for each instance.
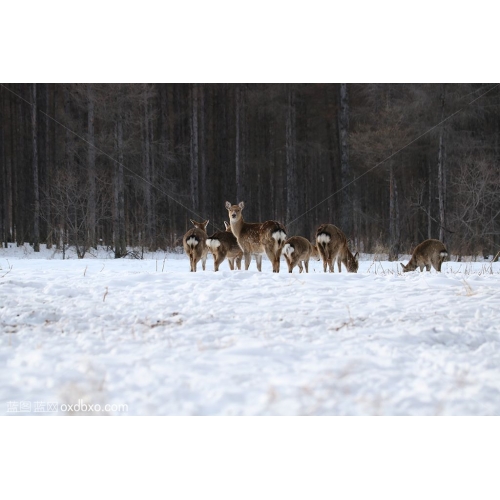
(150, 335)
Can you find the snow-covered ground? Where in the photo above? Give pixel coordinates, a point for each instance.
(162, 341)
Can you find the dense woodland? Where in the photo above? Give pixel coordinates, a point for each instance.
(127, 165)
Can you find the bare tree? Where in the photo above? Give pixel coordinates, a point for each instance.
(36, 189)
(345, 171)
(91, 167)
(291, 155)
(194, 148)
(441, 181)
(120, 243)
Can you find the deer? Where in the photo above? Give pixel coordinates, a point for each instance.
(257, 238)
(224, 244)
(297, 250)
(194, 244)
(332, 244)
(427, 253)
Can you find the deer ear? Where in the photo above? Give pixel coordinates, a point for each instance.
(226, 224)
(192, 221)
(356, 256)
(206, 223)
(228, 205)
(241, 205)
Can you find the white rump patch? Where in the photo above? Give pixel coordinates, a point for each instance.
(288, 249)
(213, 244)
(279, 235)
(443, 253)
(192, 242)
(323, 238)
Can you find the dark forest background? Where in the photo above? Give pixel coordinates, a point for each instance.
(127, 165)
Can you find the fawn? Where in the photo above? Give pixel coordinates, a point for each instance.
(194, 244)
(257, 238)
(332, 244)
(297, 250)
(426, 253)
(224, 244)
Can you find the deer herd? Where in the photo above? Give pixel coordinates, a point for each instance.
(242, 240)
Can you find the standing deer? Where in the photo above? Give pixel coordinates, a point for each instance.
(224, 244)
(426, 253)
(332, 244)
(257, 238)
(297, 250)
(194, 244)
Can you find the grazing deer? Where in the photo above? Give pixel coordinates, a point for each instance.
(426, 253)
(194, 244)
(224, 244)
(297, 250)
(257, 238)
(332, 244)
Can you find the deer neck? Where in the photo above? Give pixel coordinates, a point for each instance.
(237, 226)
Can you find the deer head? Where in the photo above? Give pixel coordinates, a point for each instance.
(235, 211)
(200, 225)
(352, 262)
(409, 267)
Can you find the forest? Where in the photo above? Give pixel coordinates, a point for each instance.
(128, 165)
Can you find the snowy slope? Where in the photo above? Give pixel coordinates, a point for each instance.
(150, 335)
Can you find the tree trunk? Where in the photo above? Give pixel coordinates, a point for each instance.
(441, 171)
(148, 197)
(345, 172)
(119, 209)
(204, 193)
(19, 177)
(91, 200)
(292, 208)
(68, 163)
(152, 220)
(394, 223)
(3, 177)
(429, 201)
(9, 166)
(194, 148)
(237, 158)
(47, 173)
(36, 189)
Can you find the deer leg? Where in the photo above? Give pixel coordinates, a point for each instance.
(306, 265)
(339, 264)
(231, 263)
(248, 258)
(276, 265)
(290, 265)
(275, 259)
(221, 255)
(330, 265)
(238, 263)
(258, 259)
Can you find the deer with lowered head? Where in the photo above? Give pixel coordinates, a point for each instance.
(224, 244)
(194, 243)
(257, 238)
(427, 253)
(332, 244)
(298, 250)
